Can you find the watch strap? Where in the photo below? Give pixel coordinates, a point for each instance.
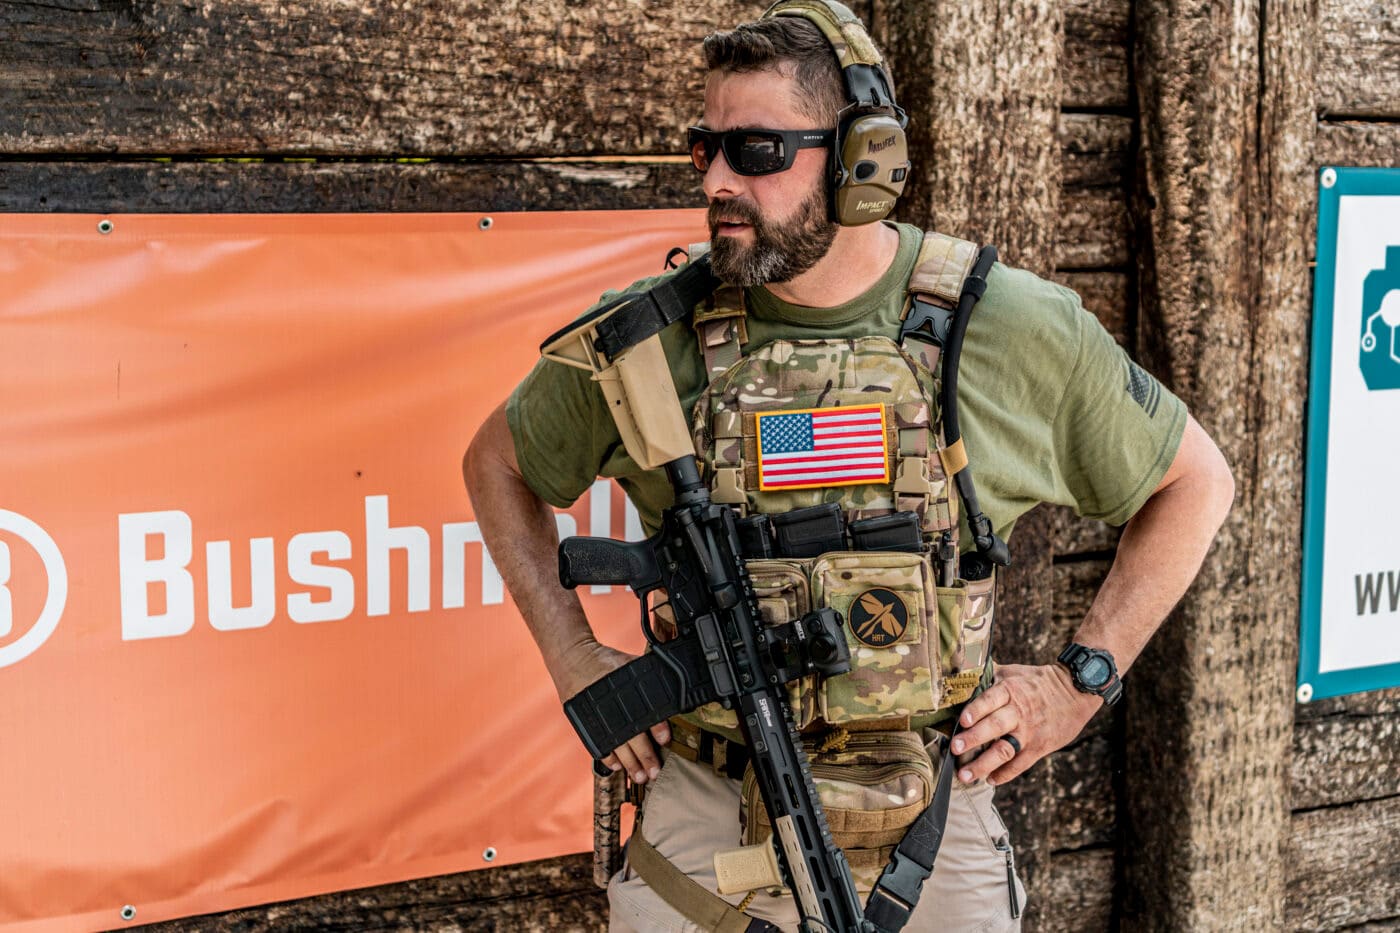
(1073, 657)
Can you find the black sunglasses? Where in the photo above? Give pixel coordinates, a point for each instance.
(753, 151)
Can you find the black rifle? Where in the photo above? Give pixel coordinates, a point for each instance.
(721, 652)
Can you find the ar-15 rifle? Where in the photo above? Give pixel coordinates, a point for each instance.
(721, 652)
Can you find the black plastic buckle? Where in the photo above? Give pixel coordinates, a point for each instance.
(903, 881)
(927, 321)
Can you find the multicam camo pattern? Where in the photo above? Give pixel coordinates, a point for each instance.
(969, 651)
(872, 786)
(904, 677)
(800, 374)
(897, 680)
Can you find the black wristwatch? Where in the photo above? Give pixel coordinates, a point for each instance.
(1093, 671)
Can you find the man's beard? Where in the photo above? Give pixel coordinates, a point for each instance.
(780, 251)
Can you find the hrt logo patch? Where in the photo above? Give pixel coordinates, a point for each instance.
(878, 617)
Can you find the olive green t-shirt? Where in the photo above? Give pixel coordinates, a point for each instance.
(1051, 408)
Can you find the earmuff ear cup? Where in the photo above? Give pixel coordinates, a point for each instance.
(870, 160)
(873, 168)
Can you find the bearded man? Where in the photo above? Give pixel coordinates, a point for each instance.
(1052, 411)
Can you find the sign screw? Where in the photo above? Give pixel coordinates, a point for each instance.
(484, 223)
(128, 912)
(1305, 693)
(104, 226)
(490, 854)
(1329, 177)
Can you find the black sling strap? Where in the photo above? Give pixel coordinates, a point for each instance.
(897, 890)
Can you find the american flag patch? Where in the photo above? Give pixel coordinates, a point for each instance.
(839, 446)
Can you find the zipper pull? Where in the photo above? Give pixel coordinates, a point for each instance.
(1003, 845)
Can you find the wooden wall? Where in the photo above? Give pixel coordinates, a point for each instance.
(255, 105)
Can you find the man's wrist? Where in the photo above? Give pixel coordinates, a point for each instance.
(1092, 671)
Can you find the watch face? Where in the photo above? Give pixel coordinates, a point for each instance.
(1095, 672)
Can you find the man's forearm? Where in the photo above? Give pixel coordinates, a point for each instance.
(518, 528)
(1158, 556)
(1036, 704)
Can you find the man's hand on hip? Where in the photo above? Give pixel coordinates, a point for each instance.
(1037, 705)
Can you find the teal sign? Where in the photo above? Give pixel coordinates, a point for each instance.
(1380, 324)
(1350, 633)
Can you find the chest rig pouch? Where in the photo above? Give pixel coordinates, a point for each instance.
(836, 453)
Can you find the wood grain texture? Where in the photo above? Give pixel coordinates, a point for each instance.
(1358, 57)
(1358, 143)
(314, 187)
(1343, 867)
(549, 895)
(436, 78)
(1226, 130)
(1096, 54)
(1096, 150)
(250, 77)
(1345, 758)
(1079, 898)
(1000, 183)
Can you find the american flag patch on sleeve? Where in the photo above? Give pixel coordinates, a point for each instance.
(812, 447)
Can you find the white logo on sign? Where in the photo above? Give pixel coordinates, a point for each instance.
(39, 632)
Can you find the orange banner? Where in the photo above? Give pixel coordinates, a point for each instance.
(251, 647)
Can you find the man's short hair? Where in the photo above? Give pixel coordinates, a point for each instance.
(791, 41)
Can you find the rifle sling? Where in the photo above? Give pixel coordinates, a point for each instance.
(657, 308)
(686, 895)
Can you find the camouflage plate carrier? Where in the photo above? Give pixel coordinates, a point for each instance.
(920, 646)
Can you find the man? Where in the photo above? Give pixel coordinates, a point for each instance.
(1052, 411)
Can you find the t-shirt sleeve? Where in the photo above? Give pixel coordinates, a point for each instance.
(562, 431)
(1117, 429)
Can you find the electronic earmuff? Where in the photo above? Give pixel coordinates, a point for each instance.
(869, 161)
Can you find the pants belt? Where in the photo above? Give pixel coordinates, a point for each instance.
(726, 758)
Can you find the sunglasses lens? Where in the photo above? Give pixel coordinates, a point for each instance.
(754, 153)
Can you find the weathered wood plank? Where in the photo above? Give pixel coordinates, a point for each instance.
(1345, 758)
(1086, 804)
(258, 76)
(1358, 57)
(1358, 143)
(1093, 230)
(1096, 150)
(1343, 866)
(481, 79)
(1073, 536)
(311, 187)
(1226, 127)
(1096, 53)
(534, 897)
(1107, 296)
(1079, 898)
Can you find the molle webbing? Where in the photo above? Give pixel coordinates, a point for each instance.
(721, 328)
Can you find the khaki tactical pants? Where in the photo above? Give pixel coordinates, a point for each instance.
(691, 812)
